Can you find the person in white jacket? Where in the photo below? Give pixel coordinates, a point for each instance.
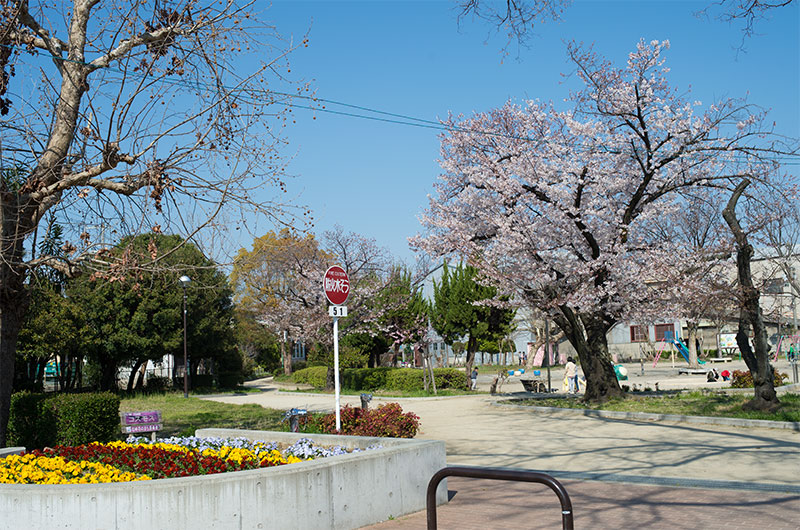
(572, 375)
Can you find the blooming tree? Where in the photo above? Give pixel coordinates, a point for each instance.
(280, 280)
(557, 206)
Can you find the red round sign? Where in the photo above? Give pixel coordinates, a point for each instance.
(336, 285)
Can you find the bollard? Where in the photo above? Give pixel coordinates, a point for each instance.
(365, 399)
(794, 371)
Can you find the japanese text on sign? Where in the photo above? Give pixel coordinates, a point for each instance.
(337, 285)
(140, 418)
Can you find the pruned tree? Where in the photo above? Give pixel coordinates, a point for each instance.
(553, 205)
(131, 117)
(750, 317)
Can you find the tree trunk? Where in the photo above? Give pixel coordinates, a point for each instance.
(286, 356)
(13, 304)
(587, 334)
(134, 373)
(395, 353)
(472, 347)
(750, 314)
(692, 343)
(330, 379)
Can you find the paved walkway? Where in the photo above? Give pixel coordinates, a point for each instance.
(482, 505)
(651, 453)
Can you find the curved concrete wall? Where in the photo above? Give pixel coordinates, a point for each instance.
(347, 491)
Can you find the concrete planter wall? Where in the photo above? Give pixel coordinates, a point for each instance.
(341, 492)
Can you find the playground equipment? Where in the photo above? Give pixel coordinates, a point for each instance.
(792, 352)
(684, 350)
(678, 343)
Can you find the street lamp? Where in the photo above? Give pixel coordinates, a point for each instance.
(185, 280)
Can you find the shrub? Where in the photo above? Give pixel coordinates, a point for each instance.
(30, 423)
(405, 379)
(201, 381)
(157, 383)
(744, 379)
(85, 418)
(364, 378)
(40, 420)
(230, 380)
(313, 375)
(387, 420)
(450, 378)
(299, 365)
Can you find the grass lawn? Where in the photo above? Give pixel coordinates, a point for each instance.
(181, 416)
(691, 404)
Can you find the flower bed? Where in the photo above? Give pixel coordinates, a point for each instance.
(350, 491)
(138, 459)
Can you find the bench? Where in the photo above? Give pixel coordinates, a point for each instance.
(533, 385)
(718, 360)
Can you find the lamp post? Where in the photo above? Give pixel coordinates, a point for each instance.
(185, 280)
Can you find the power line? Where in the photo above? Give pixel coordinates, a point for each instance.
(392, 117)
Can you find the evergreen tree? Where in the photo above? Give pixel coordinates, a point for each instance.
(456, 313)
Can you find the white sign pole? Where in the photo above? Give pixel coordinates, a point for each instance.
(336, 370)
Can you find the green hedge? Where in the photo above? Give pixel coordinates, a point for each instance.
(362, 379)
(39, 420)
(313, 375)
(31, 424)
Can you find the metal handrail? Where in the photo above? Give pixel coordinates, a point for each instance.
(498, 474)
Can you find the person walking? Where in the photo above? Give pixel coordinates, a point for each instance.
(474, 378)
(572, 375)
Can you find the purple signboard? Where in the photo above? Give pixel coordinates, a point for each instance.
(136, 422)
(141, 418)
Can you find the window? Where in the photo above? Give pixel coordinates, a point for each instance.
(638, 334)
(665, 331)
(773, 286)
(435, 346)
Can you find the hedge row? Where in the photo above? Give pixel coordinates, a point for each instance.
(41, 420)
(359, 379)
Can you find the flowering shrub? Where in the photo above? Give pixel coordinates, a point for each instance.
(140, 459)
(744, 379)
(387, 420)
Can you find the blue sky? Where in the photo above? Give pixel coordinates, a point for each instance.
(412, 58)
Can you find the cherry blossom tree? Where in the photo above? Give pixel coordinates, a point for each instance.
(130, 117)
(556, 206)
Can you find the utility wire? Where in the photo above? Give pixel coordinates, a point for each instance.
(393, 118)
